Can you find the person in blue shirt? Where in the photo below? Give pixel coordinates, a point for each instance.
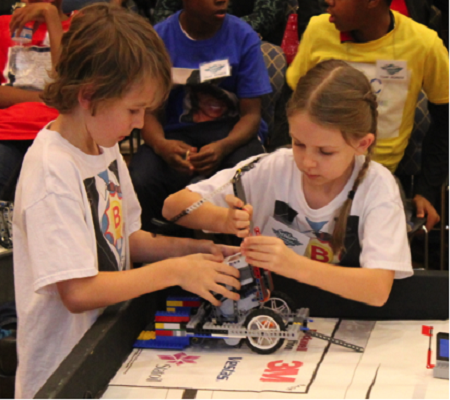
(212, 118)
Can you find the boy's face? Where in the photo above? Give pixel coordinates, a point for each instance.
(210, 12)
(347, 15)
(116, 118)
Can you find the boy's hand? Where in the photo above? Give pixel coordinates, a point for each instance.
(425, 208)
(207, 160)
(270, 253)
(176, 154)
(201, 274)
(209, 247)
(238, 217)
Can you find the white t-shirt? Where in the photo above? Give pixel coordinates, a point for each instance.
(376, 231)
(73, 215)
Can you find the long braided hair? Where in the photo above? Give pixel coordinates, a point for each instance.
(338, 96)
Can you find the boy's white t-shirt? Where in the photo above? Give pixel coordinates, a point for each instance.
(377, 211)
(73, 215)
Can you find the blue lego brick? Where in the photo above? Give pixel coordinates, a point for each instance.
(183, 312)
(166, 342)
(179, 309)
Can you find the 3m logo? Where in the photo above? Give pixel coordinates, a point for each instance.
(179, 358)
(278, 371)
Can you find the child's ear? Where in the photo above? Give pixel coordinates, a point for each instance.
(365, 143)
(85, 97)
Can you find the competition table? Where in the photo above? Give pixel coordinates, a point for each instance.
(394, 357)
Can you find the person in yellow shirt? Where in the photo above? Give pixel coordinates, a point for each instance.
(400, 57)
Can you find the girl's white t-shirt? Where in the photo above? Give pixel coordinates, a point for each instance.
(377, 208)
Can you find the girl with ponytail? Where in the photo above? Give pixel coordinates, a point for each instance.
(322, 206)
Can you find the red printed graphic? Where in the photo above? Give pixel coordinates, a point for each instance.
(319, 254)
(179, 358)
(278, 371)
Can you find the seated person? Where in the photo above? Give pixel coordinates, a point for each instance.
(23, 73)
(207, 125)
(323, 212)
(266, 17)
(401, 57)
(419, 10)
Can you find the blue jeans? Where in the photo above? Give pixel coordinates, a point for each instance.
(12, 153)
(154, 180)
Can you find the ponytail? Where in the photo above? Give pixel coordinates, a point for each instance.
(340, 228)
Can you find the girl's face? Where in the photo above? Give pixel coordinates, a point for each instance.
(321, 153)
(116, 118)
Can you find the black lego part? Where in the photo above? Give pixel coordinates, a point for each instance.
(422, 296)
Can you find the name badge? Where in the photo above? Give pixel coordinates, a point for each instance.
(392, 70)
(214, 69)
(295, 240)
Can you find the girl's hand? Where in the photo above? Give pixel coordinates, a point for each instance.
(270, 253)
(238, 217)
(201, 274)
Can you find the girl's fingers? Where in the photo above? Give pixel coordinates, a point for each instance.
(242, 233)
(258, 256)
(241, 224)
(233, 201)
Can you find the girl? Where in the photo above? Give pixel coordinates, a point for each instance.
(76, 217)
(322, 206)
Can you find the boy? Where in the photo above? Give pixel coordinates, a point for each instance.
(400, 57)
(221, 57)
(76, 220)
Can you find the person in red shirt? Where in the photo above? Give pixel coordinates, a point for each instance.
(23, 72)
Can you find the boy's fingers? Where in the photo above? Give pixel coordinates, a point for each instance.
(227, 270)
(228, 280)
(227, 293)
(208, 296)
(215, 257)
(228, 250)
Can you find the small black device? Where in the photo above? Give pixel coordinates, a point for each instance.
(441, 368)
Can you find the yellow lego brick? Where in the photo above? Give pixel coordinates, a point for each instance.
(174, 303)
(170, 309)
(147, 335)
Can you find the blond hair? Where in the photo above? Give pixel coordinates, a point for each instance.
(107, 50)
(338, 96)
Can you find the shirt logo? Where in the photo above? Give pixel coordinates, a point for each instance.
(287, 237)
(392, 69)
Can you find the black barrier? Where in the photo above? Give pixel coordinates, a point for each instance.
(422, 296)
(93, 362)
(86, 372)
